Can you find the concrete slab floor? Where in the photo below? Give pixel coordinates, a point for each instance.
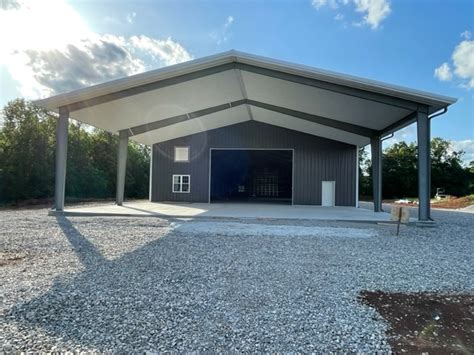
(227, 210)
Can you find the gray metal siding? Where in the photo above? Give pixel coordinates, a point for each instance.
(315, 160)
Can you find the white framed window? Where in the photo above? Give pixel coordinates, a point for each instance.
(182, 183)
(181, 154)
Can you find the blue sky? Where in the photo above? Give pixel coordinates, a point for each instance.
(423, 44)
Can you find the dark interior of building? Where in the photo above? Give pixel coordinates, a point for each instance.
(251, 175)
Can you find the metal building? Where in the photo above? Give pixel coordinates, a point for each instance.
(235, 126)
(267, 163)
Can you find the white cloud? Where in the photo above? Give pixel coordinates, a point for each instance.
(131, 17)
(443, 72)
(222, 35)
(48, 61)
(463, 60)
(462, 64)
(229, 21)
(9, 4)
(466, 34)
(374, 11)
(317, 4)
(84, 63)
(467, 146)
(164, 50)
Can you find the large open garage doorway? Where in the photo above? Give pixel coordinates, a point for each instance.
(251, 175)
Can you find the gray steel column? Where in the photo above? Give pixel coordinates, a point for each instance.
(376, 148)
(424, 166)
(121, 166)
(61, 158)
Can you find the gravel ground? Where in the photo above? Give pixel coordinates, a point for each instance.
(147, 284)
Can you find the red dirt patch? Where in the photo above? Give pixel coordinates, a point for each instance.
(425, 322)
(453, 202)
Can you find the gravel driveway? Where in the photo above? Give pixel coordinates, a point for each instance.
(139, 284)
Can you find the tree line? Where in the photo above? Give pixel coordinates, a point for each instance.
(400, 171)
(27, 152)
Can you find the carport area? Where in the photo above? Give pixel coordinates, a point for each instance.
(231, 88)
(227, 210)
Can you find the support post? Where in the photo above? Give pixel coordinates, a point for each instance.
(121, 166)
(357, 178)
(62, 125)
(424, 166)
(376, 148)
(150, 176)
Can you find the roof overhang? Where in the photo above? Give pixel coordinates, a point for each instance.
(235, 87)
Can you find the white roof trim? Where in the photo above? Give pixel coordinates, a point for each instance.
(112, 114)
(346, 80)
(240, 57)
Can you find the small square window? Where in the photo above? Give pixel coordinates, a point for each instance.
(181, 154)
(181, 183)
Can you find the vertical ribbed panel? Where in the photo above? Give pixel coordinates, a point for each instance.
(315, 160)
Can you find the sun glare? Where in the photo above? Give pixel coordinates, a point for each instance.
(40, 25)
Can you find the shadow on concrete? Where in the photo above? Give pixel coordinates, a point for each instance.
(147, 212)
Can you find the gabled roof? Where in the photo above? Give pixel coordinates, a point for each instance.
(235, 87)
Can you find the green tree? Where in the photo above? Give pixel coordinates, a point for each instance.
(138, 168)
(104, 158)
(400, 170)
(446, 169)
(26, 152)
(83, 178)
(365, 182)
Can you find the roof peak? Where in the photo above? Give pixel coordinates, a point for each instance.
(244, 58)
